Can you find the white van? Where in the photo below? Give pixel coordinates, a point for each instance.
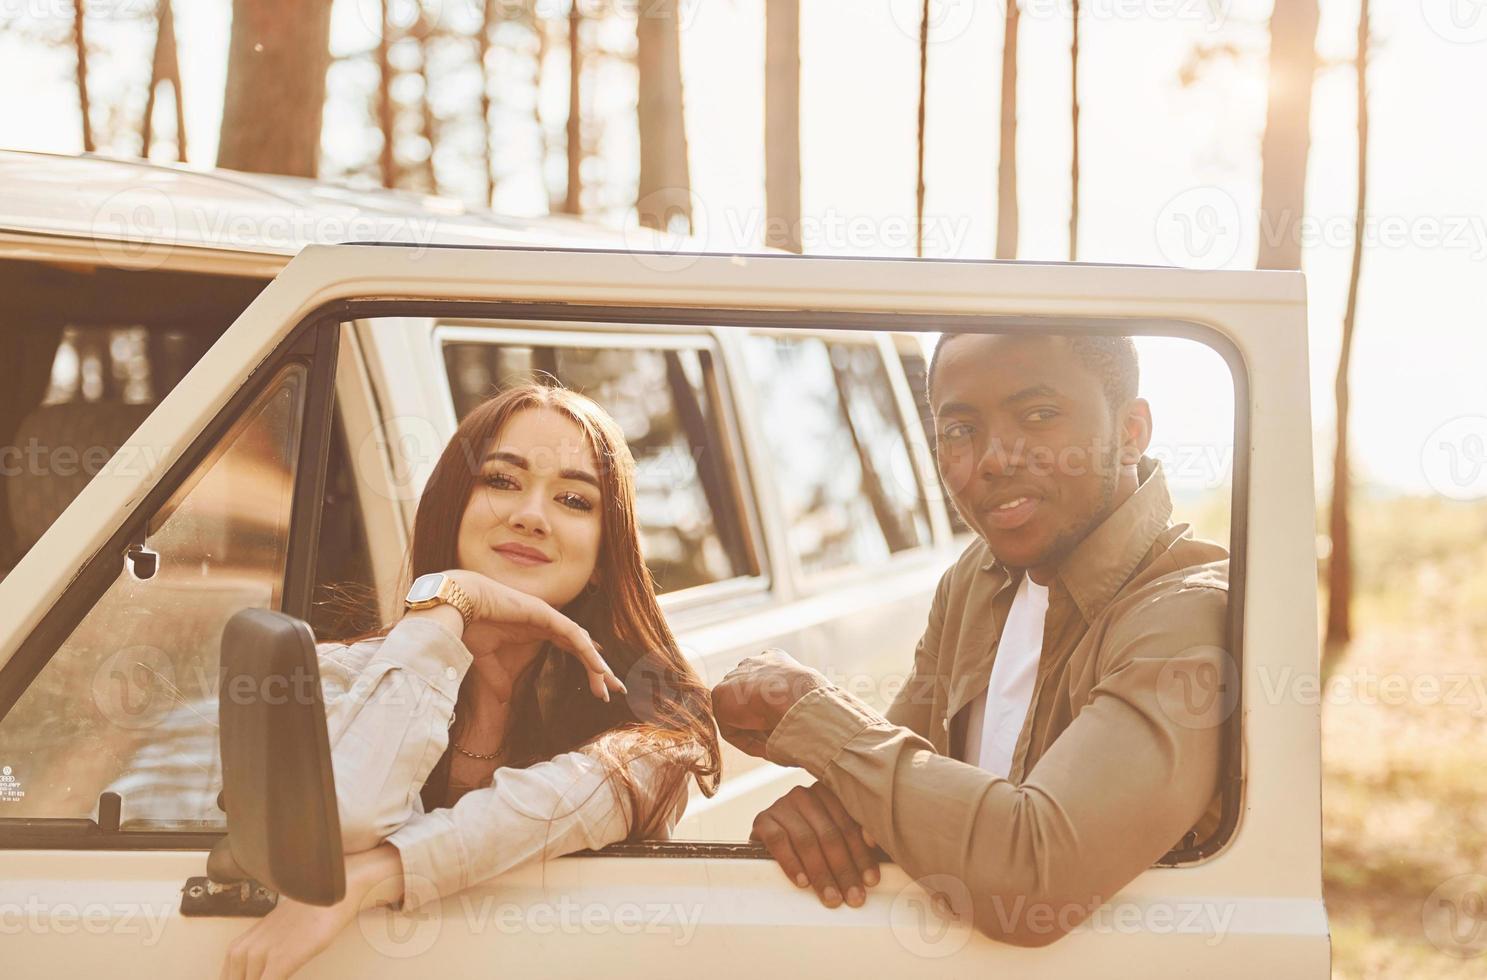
(276, 420)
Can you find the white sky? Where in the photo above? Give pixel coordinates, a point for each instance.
(1152, 151)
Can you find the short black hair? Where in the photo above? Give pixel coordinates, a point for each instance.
(1111, 358)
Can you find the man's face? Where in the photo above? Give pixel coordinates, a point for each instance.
(1028, 445)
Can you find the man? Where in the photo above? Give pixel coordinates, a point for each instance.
(1045, 749)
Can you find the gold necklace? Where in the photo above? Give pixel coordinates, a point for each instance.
(475, 755)
(466, 752)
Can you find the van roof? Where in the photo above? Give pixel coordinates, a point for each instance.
(99, 197)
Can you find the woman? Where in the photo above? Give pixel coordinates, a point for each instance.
(480, 731)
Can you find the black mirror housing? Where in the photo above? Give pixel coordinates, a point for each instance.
(283, 827)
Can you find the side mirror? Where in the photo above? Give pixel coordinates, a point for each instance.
(279, 792)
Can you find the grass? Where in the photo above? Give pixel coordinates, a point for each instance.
(1403, 804)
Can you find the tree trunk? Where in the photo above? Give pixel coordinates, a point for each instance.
(1074, 159)
(488, 17)
(544, 149)
(919, 130)
(276, 64)
(1006, 189)
(1287, 139)
(664, 197)
(80, 47)
(428, 125)
(1340, 563)
(165, 66)
(387, 167)
(782, 124)
(573, 196)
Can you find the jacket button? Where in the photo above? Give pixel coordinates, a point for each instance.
(451, 673)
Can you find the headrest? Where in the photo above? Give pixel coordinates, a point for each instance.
(56, 450)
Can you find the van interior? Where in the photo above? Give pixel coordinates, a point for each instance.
(92, 349)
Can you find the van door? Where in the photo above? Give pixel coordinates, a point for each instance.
(219, 510)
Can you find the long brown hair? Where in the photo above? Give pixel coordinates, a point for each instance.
(668, 708)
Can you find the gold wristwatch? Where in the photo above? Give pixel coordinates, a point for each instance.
(436, 587)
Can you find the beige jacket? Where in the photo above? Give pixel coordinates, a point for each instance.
(389, 702)
(1114, 764)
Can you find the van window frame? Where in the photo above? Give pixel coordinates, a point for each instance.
(757, 580)
(84, 834)
(314, 342)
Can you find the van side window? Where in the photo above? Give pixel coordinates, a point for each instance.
(916, 372)
(692, 528)
(840, 459)
(128, 703)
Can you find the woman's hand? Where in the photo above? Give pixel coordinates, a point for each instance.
(516, 617)
(295, 933)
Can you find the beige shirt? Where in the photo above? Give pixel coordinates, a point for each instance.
(389, 702)
(1111, 769)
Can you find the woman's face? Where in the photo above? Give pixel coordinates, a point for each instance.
(533, 519)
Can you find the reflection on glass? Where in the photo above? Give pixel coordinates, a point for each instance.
(891, 484)
(129, 701)
(686, 507)
(840, 460)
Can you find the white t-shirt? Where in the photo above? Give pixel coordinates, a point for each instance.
(996, 716)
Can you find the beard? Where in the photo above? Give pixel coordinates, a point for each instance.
(1067, 539)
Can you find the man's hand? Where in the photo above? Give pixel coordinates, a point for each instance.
(750, 701)
(817, 843)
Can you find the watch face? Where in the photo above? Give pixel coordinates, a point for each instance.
(425, 587)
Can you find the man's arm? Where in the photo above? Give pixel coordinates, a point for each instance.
(912, 704)
(808, 831)
(1123, 783)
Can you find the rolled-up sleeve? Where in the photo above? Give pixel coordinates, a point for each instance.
(1119, 787)
(388, 710)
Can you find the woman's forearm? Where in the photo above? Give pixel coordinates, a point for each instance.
(377, 873)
